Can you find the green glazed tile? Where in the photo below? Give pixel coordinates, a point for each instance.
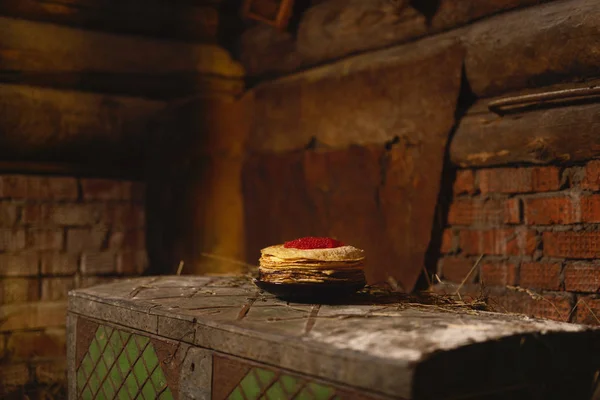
(124, 364)
(236, 394)
(132, 386)
(158, 379)
(87, 394)
(290, 384)
(81, 379)
(95, 351)
(132, 351)
(94, 383)
(276, 392)
(148, 391)
(124, 337)
(250, 386)
(124, 394)
(115, 376)
(265, 376)
(150, 358)
(140, 372)
(304, 394)
(142, 341)
(109, 390)
(321, 392)
(166, 395)
(101, 336)
(101, 370)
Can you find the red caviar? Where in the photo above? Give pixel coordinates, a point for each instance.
(307, 243)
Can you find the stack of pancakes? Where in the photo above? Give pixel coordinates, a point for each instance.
(337, 265)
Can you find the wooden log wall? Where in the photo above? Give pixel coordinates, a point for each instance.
(355, 99)
(67, 90)
(130, 88)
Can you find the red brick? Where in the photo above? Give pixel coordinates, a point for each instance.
(552, 210)
(132, 262)
(106, 189)
(517, 241)
(38, 187)
(63, 214)
(9, 214)
(88, 281)
(19, 290)
(455, 269)
(40, 344)
(540, 276)
(125, 216)
(512, 211)
(134, 240)
(499, 274)
(582, 277)
(590, 208)
(13, 375)
(55, 263)
(519, 180)
(591, 179)
(18, 264)
(79, 239)
(52, 371)
(464, 182)
(587, 311)
(56, 288)
(448, 242)
(572, 244)
(99, 263)
(28, 316)
(45, 239)
(128, 240)
(551, 306)
(476, 212)
(12, 239)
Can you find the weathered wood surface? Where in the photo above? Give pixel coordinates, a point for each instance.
(534, 47)
(391, 194)
(353, 102)
(195, 173)
(383, 346)
(50, 55)
(511, 51)
(48, 125)
(196, 21)
(559, 134)
(336, 28)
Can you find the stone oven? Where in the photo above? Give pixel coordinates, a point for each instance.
(456, 142)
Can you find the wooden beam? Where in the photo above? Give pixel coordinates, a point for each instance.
(376, 126)
(46, 125)
(352, 102)
(534, 47)
(336, 28)
(51, 55)
(173, 19)
(557, 135)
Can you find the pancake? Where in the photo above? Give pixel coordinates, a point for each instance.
(334, 265)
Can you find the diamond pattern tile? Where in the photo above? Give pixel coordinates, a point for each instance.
(264, 384)
(124, 366)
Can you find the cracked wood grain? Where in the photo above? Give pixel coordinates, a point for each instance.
(312, 319)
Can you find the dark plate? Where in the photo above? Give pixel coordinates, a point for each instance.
(311, 292)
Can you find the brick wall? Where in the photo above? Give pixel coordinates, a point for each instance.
(536, 234)
(56, 234)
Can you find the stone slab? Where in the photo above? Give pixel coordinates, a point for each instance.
(381, 347)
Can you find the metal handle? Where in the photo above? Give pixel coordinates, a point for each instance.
(537, 99)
